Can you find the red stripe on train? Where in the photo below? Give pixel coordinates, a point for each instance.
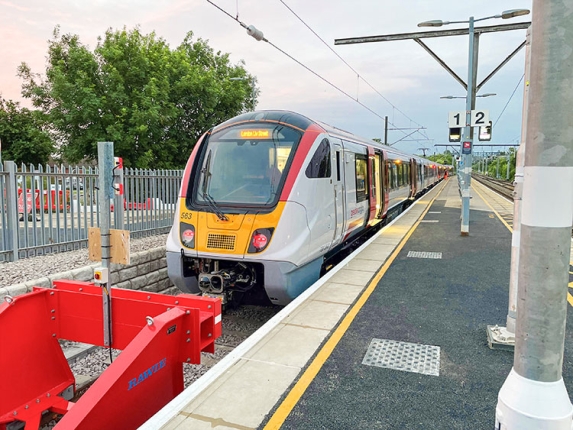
(302, 151)
(189, 166)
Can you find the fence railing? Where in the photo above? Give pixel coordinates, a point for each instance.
(49, 209)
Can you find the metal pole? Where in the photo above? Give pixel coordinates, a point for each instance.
(12, 206)
(468, 133)
(497, 168)
(105, 166)
(517, 199)
(385, 130)
(534, 395)
(508, 162)
(506, 335)
(118, 200)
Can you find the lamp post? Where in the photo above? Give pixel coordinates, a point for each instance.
(467, 141)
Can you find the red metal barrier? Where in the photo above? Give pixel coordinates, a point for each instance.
(147, 374)
(42, 202)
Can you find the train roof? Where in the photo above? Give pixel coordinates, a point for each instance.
(302, 122)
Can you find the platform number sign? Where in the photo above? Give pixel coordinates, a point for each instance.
(457, 119)
(479, 118)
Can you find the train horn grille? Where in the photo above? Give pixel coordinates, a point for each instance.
(221, 241)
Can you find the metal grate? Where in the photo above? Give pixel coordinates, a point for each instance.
(423, 254)
(405, 356)
(221, 241)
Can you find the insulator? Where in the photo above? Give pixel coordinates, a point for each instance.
(253, 31)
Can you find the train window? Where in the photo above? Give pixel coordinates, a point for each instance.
(400, 172)
(391, 174)
(244, 165)
(361, 178)
(319, 166)
(373, 170)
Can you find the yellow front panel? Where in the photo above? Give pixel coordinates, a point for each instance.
(213, 235)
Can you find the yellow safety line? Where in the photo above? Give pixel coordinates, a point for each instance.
(310, 373)
(569, 296)
(491, 207)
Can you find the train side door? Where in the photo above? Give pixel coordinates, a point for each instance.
(413, 177)
(381, 187)
(338, 182)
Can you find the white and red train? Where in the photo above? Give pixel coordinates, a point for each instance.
(268, 197)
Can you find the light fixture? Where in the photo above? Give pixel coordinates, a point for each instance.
(506, 14)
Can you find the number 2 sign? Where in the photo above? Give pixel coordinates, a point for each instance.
(480, 118)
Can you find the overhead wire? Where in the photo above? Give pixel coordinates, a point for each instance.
(349, 66)
(510, 97)
(306, 67)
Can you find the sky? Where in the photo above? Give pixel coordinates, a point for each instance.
(407, 81)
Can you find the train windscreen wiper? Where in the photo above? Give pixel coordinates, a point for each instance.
(214, 207)
(212, 203)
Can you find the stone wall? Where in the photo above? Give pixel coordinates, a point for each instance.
(147, 271)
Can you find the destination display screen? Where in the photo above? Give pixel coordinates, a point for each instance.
(255, 134)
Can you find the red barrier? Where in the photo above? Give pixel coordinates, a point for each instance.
(147, 374)
(43, 202)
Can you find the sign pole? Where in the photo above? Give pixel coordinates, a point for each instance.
(106, 193)
(468, 132)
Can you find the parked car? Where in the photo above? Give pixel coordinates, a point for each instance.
(74, 183)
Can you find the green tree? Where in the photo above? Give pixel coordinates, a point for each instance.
(445, 158)
(22, 135)
(152, 101)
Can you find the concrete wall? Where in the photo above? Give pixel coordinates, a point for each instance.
(147, 272)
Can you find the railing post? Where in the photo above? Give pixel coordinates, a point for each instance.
(12, 206)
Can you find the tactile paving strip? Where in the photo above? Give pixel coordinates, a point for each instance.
(423, 254)
(405, 356)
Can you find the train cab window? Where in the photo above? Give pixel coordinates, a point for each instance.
(320, 165)
(244, 165)
(361, 178)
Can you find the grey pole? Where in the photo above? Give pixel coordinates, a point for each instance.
(12, 213)
(106, 193)
(508, 163)
(385, 130)
(534, 395)
(468, 132)
(506, 335)
(497, 168)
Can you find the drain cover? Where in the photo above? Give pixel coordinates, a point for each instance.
(405, 356)
(423, 254)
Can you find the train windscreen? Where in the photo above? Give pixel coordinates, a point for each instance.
(245, 164)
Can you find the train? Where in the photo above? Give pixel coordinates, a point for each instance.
(269, 197)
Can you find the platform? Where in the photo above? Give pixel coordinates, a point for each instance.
(394, 337)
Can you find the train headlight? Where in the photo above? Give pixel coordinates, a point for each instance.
(260, 239)
(187, 234)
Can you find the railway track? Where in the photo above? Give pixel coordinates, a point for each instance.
(500, 186)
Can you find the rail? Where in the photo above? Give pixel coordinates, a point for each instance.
(500, 186)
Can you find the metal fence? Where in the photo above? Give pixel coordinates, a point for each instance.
(49, 209)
